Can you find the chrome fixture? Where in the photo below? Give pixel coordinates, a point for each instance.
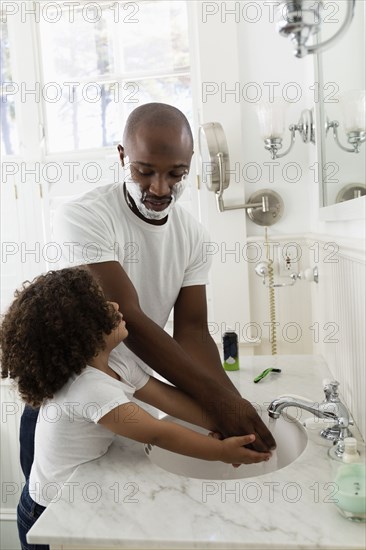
(351, 191)
(330, 408)
(354, 138)
(271, 117)
(265, 216)
(264, 207)
(263, 268)
(353, 105)
(302, 19)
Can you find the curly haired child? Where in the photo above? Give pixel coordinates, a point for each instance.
(57, 341)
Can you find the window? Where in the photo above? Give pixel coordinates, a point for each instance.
(99, 63)
(71, 74)
(9, 135)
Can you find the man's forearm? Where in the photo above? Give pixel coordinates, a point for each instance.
(198, 373)
(154, 346)
(174, 402)
(208, 385)
(201, 347)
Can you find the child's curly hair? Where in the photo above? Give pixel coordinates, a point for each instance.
(52, 329)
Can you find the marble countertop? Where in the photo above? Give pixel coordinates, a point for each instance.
(122, 500)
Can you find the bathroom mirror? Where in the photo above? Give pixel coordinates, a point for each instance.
(339, 80)
(214, 155)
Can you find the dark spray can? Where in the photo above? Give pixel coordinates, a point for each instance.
(231, 354)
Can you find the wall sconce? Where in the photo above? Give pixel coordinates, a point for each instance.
(301, 19)
(353, 106)
(272, 126)
(351, 191)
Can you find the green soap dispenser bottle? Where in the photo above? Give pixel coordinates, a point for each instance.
(231, 350)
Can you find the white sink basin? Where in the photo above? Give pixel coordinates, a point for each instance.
(291, 439)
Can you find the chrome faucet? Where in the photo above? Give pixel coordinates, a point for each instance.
(331, 408)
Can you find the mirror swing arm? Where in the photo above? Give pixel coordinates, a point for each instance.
(264, 205)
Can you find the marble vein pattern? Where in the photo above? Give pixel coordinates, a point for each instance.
(122, 500)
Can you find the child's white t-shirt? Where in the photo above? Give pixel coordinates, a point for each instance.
(68, 433)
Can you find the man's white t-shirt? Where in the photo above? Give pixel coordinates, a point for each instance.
(68, 433)
(159, 259)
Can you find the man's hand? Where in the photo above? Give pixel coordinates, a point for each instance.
(236, 416)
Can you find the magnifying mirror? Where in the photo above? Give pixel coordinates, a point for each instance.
(214, 154)
(265, 207)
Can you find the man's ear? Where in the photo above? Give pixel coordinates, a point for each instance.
(121, 152)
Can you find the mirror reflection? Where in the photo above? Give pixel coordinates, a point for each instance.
(341, 110)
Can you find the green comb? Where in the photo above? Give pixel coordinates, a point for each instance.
(264, 373)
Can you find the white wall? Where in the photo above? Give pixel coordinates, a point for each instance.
(268, 63)
(218, 62)
(263, 61)
(241, 61)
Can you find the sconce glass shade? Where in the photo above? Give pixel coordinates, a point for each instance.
(353, 106)
(272, 118)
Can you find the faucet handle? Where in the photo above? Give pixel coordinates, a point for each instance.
(330, 388)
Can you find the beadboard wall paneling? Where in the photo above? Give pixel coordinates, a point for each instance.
(339, 316)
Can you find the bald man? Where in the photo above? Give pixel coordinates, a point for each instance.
(150, 261)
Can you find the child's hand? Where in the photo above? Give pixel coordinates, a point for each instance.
(218, 435)
(215, 435)
(234, 452)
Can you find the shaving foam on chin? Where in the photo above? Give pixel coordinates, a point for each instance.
(138, 196)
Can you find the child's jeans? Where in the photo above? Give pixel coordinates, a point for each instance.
(28, 512)
(28, 424)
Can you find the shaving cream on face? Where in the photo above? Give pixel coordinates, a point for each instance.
(138, 196)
